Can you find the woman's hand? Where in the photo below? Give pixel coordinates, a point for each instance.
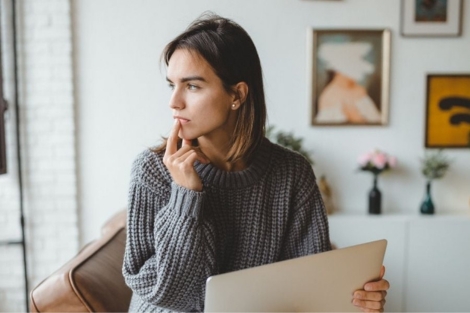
(180, 162)
(372, 297)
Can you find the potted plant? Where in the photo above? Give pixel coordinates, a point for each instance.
(288, 140)
(434, 165)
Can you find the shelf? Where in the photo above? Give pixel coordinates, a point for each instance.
(455, 216)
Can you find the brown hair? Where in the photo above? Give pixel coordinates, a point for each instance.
(231, 53)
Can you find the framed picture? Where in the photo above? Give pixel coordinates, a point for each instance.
(350, 73)
(448, 111)
(433, 18)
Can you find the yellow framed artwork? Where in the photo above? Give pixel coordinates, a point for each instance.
(448, 111)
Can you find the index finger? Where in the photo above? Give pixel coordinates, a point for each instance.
(172, 141)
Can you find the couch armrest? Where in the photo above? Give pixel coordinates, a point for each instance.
(92, 281)
(116, 221)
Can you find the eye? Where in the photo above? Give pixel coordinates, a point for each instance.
(171, 86)
(192, 87)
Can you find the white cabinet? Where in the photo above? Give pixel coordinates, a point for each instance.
(427, 260)
(438, 271)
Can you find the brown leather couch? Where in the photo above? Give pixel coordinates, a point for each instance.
(92, 280)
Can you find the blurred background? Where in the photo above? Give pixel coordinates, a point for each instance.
(92, 94)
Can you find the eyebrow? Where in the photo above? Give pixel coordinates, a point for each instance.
(189, 78)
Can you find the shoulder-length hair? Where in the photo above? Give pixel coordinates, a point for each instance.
(231, 53)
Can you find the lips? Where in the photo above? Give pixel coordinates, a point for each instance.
(182, 119)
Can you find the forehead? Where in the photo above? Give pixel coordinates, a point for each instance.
(184, 62)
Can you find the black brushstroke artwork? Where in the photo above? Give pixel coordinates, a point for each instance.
(449, 103)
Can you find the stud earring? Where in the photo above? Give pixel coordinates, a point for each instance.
(233, 106)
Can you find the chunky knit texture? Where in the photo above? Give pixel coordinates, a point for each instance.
(177, 238)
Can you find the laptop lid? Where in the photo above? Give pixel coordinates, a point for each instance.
(321, 282)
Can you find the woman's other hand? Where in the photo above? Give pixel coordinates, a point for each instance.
(372, 297)
(180, 163)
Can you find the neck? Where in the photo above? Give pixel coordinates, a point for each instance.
(217, 152)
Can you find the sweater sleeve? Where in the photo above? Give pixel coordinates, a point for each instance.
(307, 231)
(170, 246)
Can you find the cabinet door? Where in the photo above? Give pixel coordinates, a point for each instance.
(438, 274)
(352, 230)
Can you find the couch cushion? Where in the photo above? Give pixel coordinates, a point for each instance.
(91, 282)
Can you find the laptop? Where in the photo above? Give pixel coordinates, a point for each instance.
(321, 282)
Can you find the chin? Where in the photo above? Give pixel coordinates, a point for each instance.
(186, 136)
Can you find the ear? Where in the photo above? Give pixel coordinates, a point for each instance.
(240, 92)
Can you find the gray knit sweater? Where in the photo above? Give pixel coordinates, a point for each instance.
(177, 238)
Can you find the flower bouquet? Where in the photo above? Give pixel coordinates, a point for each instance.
(376, 162)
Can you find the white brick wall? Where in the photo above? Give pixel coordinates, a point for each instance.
(48, 147)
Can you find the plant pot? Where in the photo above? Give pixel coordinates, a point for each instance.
(375, 198)
(427, 206)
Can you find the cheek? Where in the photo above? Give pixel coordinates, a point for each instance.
(215, 107)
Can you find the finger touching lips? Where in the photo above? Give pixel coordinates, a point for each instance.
(175, 130)
(182, 120)
(171, 145)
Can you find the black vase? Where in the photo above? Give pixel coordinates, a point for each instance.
(375, 198)
(427, 206)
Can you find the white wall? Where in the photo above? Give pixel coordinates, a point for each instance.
(47, 131)
(122, 95)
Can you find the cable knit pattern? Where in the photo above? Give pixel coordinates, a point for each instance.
(177, 238)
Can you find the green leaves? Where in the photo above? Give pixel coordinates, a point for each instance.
(434, 165)
(288, 140)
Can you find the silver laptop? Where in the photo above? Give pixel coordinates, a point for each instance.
(321, 282)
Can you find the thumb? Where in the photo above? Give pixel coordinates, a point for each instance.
(382, 272)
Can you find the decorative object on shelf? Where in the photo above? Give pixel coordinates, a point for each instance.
(434, 165)
(288, 140)
(431, 18)
(447, 111)
(326, 194)
(376, 162)
(350, 71)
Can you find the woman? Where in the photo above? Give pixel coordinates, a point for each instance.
(221, 198)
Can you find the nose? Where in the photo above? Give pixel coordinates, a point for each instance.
(176, 100)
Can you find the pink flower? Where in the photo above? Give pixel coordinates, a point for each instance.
(379, 160)
(365, 158)
(392, 161)
(376, 162)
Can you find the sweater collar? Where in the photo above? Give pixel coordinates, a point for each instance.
(213, 176)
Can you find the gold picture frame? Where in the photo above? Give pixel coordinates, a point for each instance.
(350, 76)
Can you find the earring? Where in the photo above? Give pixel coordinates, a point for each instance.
(233, 106)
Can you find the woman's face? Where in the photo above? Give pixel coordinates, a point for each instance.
(199, 100)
